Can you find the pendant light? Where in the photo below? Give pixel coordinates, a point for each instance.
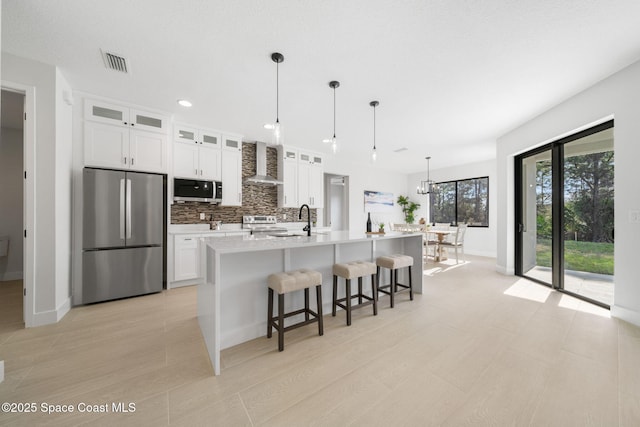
(276, 127)
(334, 141)
(374, 154)
(427, 186)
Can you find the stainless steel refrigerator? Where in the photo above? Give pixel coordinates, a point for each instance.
(123, 235)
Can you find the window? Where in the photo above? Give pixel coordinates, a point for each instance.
(465, 201)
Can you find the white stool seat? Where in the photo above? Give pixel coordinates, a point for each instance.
(394, 261)
(290, 281)
(355, 269)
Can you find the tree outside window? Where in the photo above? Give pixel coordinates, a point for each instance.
(464, 201)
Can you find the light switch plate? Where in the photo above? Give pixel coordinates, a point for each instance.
(202, 215)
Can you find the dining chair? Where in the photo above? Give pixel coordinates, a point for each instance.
(458, 241)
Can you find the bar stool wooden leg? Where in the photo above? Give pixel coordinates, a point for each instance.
(348, 295)
(392, 287)
(374, 293)
(280, 322)
(410, 285)
(319, 302)
(359, 290)
(270, 314)
(306, 304)
(335, 295)
(377, 281)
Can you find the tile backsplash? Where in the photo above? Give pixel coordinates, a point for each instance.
(256, 199)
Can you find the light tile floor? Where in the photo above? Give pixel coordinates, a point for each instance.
(477, 348)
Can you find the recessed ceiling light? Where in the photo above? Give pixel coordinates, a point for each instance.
(269, 126)
(184, 103)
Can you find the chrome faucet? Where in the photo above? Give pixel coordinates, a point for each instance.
(308, 227)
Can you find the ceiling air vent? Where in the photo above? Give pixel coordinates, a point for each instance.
(116, 62)
(400, 150)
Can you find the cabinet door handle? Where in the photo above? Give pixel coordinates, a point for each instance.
(125, 160)
(133, 124)
(196, 171)
(132, 161)
(200, 171)
(126, 123)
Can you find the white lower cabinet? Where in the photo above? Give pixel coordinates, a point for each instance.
(186, 257)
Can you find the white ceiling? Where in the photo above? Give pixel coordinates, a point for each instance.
(451, 76)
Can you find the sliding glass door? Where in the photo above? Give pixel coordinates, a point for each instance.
(536, 225)
(564, 211)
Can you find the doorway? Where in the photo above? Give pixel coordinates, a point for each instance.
(11, 210)
(336, 212)
(565, 214)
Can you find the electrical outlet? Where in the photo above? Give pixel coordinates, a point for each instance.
(634, 216)
(202, 216)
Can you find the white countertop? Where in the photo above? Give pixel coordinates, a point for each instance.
(182, 229)
(236, 244)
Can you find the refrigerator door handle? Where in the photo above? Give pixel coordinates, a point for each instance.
(128, 209)
(122, 209)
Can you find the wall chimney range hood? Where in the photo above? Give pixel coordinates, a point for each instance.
(261, 176)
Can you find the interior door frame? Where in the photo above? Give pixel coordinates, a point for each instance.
(557, 208)
(29, 201)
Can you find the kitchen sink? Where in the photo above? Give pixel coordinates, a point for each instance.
(286, 235)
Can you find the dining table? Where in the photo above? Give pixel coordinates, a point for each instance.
(441, 234)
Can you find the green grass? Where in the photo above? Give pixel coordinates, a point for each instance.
(579, 256)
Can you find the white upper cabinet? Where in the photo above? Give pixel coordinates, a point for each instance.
(119, 137)
(119, 115)
(310, 179)
(197, 153)
(316, 182)
(232, 177)
(232, 142)
(288, 170)
(106, 145)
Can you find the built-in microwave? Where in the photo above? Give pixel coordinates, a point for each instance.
(191, 190)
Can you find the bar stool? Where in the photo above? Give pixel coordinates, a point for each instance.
(291, 281)
(352, 270)
(393, 263)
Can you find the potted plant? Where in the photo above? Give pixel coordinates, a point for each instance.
(381, 227)
(408, 208)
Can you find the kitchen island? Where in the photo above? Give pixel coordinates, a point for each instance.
(232, 300)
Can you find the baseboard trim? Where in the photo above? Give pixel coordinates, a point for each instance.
(51, 316)
(11, 275)
(626, 314)
(504, 270)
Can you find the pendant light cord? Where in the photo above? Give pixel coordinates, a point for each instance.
(277, 92)
(334, 113)
(374, 127)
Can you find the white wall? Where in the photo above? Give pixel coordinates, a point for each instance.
(11, 205)
(363, 176)
(478, 240)
(63, 180)
(50, 286)
(617, 96)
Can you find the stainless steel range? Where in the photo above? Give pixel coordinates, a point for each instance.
(262, 225)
